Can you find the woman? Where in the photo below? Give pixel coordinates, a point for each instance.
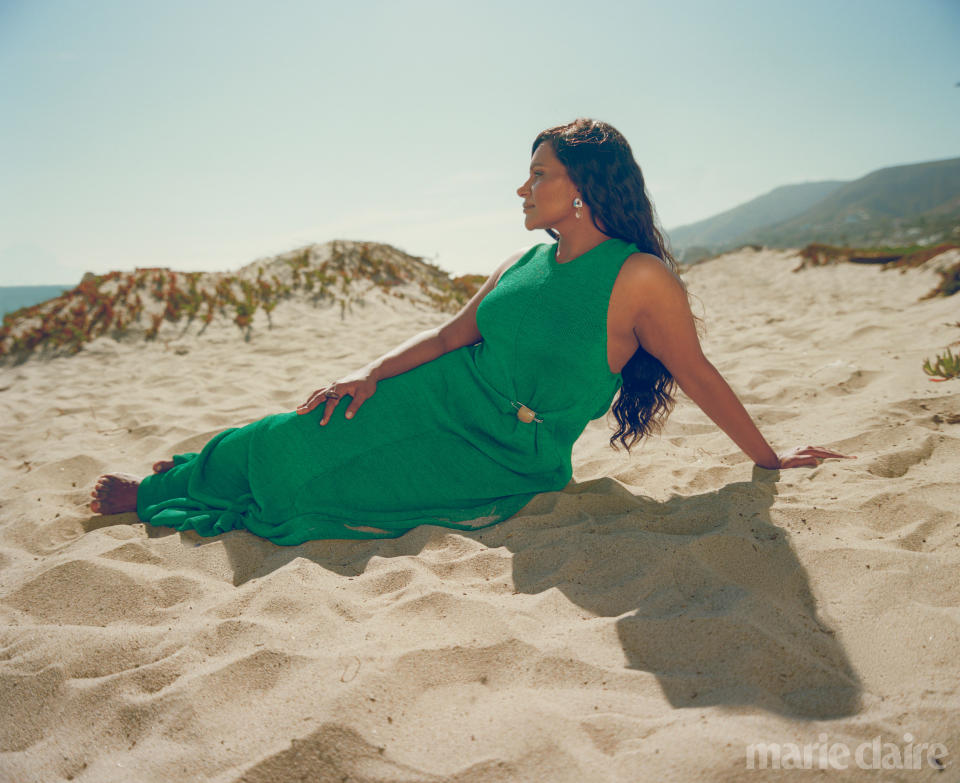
(463, 424)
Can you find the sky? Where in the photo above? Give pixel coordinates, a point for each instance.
(205, 134)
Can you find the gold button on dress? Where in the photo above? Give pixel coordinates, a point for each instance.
(525, 414)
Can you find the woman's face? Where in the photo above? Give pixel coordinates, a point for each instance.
(548, 193)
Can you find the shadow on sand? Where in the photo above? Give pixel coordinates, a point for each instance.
(707, 593)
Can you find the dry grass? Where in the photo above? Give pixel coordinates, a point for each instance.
(138, 303)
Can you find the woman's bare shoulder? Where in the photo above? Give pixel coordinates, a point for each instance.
(643, 270)
(645, 284)
(647, 261)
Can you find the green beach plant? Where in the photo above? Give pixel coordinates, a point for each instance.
(945, 367)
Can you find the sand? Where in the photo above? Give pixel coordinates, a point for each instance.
(661, 614)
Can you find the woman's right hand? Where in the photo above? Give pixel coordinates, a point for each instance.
(359, 385)
(807, 456)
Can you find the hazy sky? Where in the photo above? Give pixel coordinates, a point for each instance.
(203, 135)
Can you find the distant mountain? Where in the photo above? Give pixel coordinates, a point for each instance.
(779, 204)
(890, 205)
(913, 204)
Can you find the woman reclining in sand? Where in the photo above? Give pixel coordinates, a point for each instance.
(463, 424)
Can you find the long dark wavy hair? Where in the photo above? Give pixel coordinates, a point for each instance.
(600, 163)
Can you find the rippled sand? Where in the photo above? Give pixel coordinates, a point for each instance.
(649, 622)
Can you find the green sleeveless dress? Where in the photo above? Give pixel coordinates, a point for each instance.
(441, 444)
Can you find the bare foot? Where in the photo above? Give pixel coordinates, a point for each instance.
(162, 466)
(115, 493)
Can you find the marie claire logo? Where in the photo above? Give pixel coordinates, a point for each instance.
(874, 754)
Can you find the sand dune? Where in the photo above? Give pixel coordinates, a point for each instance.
(662, 613)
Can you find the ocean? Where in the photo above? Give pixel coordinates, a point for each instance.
(13, 297)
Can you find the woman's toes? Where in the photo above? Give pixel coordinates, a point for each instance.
(115, 493)
(163, 465)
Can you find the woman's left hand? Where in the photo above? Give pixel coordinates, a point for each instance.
(802, 456)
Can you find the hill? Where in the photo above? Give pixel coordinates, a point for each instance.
(893, 205)
(152, 302)
(916, 204)
(722, 230)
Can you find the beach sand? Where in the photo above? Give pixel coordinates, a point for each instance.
(653, 620)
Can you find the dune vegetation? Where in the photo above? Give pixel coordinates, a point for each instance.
(139, 303)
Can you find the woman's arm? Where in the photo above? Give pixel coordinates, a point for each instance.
(361, 384)
(664, 326)
(419, 349)
(460, 330)
(426, 346)
(704, 384)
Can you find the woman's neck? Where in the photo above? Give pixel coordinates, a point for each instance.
(575, 244)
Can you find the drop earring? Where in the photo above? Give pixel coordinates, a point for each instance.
(577, 203)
